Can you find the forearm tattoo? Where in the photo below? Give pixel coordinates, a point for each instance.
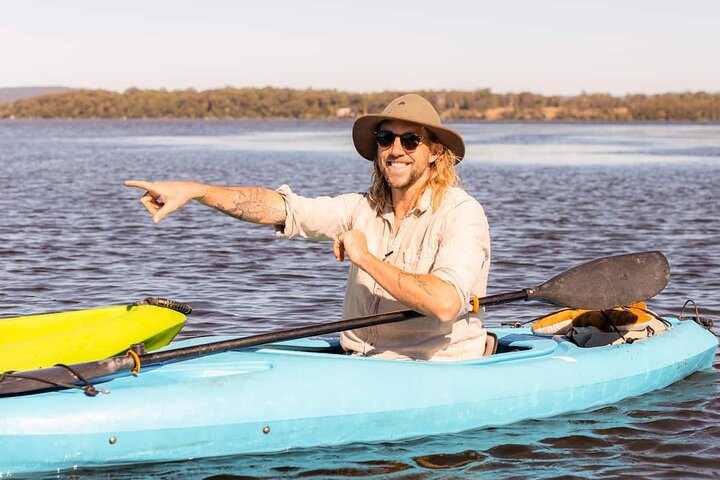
(251, 205)
(416, 279)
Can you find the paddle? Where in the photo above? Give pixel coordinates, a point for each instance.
(599, 284)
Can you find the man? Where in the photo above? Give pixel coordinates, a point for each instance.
(415, 240)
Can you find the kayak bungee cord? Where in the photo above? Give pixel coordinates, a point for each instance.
(702, 321)
(88, 388)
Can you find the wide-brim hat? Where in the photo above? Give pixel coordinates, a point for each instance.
(408, 108)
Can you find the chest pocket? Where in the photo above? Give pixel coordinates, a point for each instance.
(417, 261)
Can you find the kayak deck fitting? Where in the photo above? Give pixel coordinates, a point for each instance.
(297, 395)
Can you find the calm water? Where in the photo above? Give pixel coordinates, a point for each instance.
(73, 237)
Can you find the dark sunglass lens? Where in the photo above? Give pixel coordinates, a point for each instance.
(410, 141)
(384, 138)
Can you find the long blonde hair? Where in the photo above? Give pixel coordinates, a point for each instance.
(442, 177)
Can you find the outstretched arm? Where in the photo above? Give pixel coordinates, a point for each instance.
(252, 204)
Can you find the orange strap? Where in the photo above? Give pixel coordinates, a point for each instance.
(138, 365)
(475, 304)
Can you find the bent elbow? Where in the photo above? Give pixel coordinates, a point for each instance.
(449, 312)
(448, 306)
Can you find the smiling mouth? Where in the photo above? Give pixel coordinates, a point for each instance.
(397, 166)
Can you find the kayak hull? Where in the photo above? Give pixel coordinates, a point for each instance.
(273, 399)
(39, 341)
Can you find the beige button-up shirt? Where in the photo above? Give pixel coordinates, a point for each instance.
(452, 243)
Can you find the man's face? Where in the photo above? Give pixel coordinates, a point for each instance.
(404, 168)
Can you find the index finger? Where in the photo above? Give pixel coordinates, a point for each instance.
(139, 184)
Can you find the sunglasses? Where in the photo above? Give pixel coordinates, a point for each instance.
(409, 141)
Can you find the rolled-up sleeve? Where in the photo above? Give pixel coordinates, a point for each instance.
(463, 255)
(319, 218)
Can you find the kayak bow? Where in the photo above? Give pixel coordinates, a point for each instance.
(40, 341)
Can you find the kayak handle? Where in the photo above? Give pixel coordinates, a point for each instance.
(165, 303)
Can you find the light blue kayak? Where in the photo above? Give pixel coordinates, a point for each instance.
(299, 394)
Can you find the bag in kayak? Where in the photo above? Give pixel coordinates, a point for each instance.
(594, 328)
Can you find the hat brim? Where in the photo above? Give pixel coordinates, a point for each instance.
(363, 134)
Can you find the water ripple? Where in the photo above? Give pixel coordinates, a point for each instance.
(73, 237)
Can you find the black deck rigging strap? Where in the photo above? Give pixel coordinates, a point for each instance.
(166, 303)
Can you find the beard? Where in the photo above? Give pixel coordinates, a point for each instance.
(402, 183)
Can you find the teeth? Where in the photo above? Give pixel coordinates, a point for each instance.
(398, 165)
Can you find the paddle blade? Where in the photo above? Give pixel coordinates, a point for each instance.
(607, 282)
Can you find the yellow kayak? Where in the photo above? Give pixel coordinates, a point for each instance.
(40, 341)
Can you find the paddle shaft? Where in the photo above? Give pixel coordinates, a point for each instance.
(309, 331)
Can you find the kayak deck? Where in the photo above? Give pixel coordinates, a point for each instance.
(275, 398)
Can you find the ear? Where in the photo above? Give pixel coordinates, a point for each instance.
(436, 150)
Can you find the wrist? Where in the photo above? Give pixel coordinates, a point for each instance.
(201, 191)
(365, 261)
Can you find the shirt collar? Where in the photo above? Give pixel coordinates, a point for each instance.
(423, 205)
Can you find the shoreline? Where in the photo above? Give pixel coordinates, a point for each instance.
(289, 104)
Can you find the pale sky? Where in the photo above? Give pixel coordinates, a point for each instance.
(549, 47)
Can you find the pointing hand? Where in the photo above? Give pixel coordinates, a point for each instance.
(163, 198)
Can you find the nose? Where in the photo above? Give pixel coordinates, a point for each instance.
(397, 148)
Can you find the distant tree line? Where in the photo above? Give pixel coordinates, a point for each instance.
(267, 103)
